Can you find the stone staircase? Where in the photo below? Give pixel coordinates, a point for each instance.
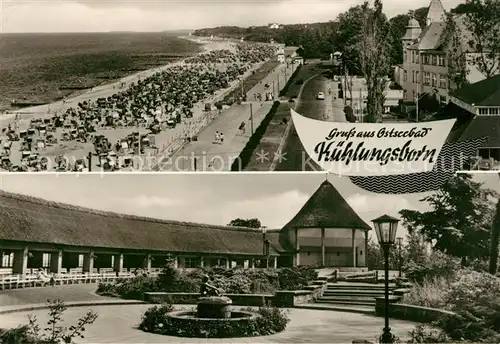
(359, 294)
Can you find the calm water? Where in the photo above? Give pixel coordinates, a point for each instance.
(37, 66)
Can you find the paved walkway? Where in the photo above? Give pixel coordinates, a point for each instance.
(118, 324)
(218, 157)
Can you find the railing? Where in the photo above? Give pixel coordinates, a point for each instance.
(74, 276)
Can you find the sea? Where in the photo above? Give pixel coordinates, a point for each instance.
(45, 67)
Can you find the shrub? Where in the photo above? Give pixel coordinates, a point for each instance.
(54, 333)
(437, 264)
(270, 320)
(154, 318)
(426, 334)
(296, 277)
(134, 288)
(430, 293)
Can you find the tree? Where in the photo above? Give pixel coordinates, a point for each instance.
(495, 236)
(250, 223)
(456, 58)
(481, 18)
(459, 221)
(374, 48)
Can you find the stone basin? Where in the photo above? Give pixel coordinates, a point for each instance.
(214, 307)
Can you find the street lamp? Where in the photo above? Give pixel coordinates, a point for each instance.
(386, 227)
(400, 255)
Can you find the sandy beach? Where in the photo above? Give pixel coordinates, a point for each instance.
(166, 141)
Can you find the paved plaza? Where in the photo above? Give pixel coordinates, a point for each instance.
(118, 323)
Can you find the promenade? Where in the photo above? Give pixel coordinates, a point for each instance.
(211, 156)
(118, 323)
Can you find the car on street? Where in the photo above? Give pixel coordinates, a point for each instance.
(320, 96)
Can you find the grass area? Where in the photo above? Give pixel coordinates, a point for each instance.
(35, 65)
(276, 129)
(271, 139)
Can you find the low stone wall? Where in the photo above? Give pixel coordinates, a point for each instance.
(410, 312)
(279, 299)
(192, 298)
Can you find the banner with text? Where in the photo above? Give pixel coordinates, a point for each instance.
(372, 149)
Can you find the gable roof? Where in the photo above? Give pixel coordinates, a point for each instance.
(484, 126)
(327, 209)
(33, 220)
(482, 93)
(431, 36)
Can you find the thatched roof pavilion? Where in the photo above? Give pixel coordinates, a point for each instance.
(32, 220)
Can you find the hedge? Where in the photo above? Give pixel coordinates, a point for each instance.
(290, 82)
(247, 152)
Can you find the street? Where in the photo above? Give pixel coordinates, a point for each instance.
(330, 109)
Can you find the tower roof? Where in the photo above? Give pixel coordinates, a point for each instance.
(327, 209)
(436, 12)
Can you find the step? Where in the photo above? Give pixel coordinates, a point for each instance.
(347, 302)
(347, 298)
(338, 308)
(355, 292)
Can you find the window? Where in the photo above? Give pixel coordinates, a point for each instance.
(494, 111)
(417, 74)
(442, 81)
(434, 60)
(192, 262)
(441, 61)
(46, 260)
(360, 253)
(413, 76)
(442, 99)
(7, 260)
(80, 260)
(417, 57)
(434, 80)
(483, 111)
(427, 78)
(426, 59)
(412, 57)
(405, 76)
(413, 92)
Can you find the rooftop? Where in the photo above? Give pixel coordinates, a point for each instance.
(482, 93)
(327, 209)
(33, 220)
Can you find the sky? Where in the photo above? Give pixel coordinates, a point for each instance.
(160, 15)
(273, 198)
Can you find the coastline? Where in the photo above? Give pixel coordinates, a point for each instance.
(102, 90)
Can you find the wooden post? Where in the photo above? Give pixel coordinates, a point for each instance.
(323, 247)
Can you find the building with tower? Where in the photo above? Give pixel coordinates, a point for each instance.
(426, 58)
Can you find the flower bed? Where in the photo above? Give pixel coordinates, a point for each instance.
(229, 281)
(243, 323)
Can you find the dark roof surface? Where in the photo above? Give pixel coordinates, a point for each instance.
(482, 93)
(33, 220)
(484, 126)
(327, 209)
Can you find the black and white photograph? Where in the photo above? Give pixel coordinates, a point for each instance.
(272, 258)
(209, 85)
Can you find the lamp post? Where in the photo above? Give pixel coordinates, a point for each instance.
(399, 240)
(386, 227)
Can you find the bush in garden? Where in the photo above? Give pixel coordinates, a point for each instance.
(436, 265)
(271, 320)
(134, 288)
(154, 318)
(427, 334)
(296, 277)
(430, 293)
(54, 333)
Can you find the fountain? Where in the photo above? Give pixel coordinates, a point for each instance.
(213, 314)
